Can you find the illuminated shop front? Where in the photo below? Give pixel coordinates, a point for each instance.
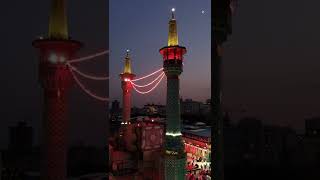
(198, 144)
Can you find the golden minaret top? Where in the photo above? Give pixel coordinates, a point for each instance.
(173, 34)
(127, 64)
(58, 23)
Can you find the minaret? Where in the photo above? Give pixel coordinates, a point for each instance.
(175, 157)
(127, 127)
(55, 78)
(126, 86)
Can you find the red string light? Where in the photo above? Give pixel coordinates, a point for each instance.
(89, 57)
(145, 92)
(148, 83)
(87, 91)
(147, 75)
(86, 75)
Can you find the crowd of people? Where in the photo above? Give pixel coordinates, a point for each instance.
(198, 170)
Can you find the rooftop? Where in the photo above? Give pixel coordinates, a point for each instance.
(198, 131)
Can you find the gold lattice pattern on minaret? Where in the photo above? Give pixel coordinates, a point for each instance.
(173, 34)
(127, 64)
(58, 23)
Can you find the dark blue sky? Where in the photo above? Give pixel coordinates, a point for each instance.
(142, 27)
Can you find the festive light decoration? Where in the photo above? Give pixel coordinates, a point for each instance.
(86, 75)
(87, 91)
(89, 57)
(173, 134)
(147, 75)
(148, 83)
(145, 92)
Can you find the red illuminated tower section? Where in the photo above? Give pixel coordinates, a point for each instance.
(55, 78)
(127, 127)
(175, 157)
(126, 86)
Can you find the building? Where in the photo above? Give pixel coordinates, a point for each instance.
(251, 139)
(312, 127)
(279, 145)
(205, 107)
(144, 162)
(21, 137)
(197, 142)
(189, 106)
(154, 109)
(311, 142)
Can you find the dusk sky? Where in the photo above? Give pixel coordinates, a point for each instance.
(142, 27)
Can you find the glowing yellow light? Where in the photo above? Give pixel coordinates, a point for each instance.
(171, 152)
(127, 63)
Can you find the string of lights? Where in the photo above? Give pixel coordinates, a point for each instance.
(86, 75)
(89, 57)
(145, 92)
(148, 83)
(87, 91)
(147, 75)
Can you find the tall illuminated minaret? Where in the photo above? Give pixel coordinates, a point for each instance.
(126, 86)
(55, 78)
(175, 157)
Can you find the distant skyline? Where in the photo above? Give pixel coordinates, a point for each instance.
(120, 100)
(142, 27)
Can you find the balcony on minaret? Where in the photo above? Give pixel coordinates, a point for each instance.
(173, 53)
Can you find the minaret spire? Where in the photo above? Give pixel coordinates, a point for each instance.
(127, 65)
(173, 34)
(58, 23)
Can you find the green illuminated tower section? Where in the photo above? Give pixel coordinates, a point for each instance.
(175, 157)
